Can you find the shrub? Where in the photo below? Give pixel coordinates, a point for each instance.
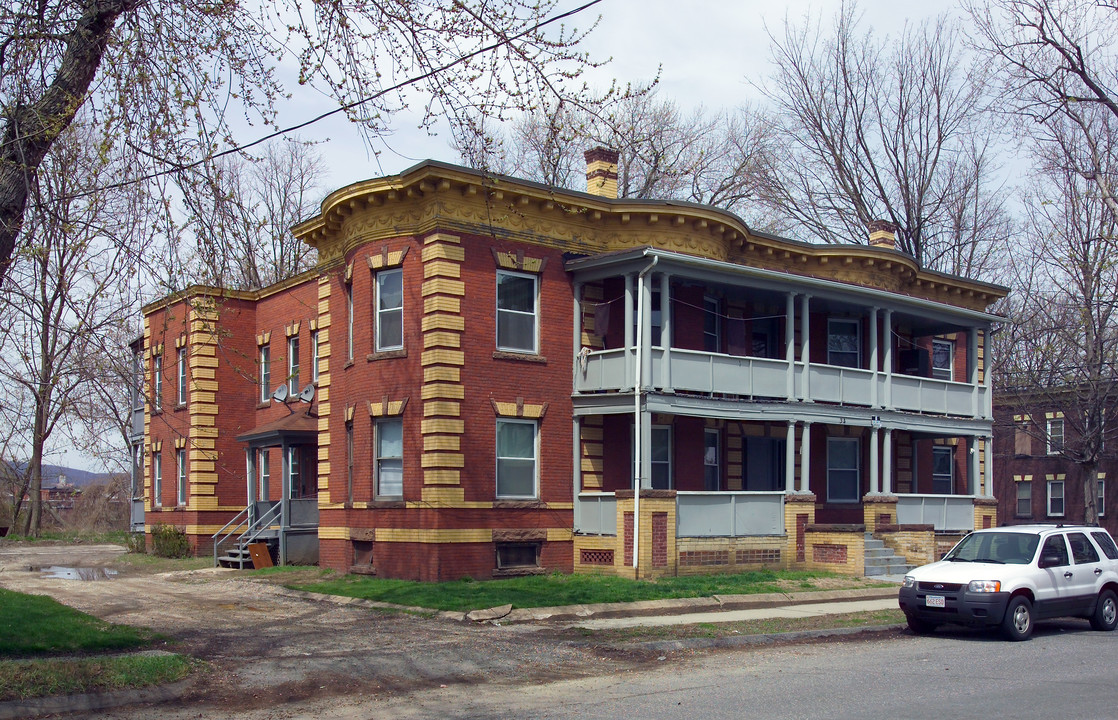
(169, 541)
(136, 543)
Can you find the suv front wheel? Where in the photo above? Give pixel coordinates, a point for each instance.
(1106, 611)
(1018, 621)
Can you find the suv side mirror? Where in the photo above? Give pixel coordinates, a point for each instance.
(1048, 560)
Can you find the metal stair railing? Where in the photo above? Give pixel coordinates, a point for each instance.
(251, 532)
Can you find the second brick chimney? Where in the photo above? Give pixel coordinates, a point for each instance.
(601, 172)
(883, 234)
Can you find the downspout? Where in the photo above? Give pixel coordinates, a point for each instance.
(638, 388)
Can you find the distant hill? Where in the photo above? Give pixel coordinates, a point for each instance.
(74, 476)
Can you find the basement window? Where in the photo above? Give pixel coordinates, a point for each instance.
(514, 558)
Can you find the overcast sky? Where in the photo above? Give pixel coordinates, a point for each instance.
(707, 50)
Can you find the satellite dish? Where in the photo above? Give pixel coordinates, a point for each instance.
(307, 394)
(280, 395)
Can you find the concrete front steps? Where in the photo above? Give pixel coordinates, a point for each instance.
(881, 560)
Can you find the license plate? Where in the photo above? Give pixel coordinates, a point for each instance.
(935, 601)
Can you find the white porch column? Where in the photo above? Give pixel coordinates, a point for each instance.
(805, 457)
(972, 467)
(790, 343)
(805, 345)
(873, 357)
(875, 462)
(645, 333)
(888, 325)
(887, 464)
(988, 466)
(666, 331)
(988, 410)
(972, 369)
(250, 470)
(576, 334)
(576, 475)
(630, 323)
(790, 459)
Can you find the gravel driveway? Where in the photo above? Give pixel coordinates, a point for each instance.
(267, 646)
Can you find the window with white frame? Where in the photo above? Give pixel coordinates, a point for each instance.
(314, 356)
(656, 320)
(157, 383)
(265, 373)
(182, 376)
(517, 452)
(180, 480)
(843, 470)
(390, 457)
(943, 470)
(390, 310)
(1024, 499)
(137, 380)
(263, 473)
(943, 359)
(349, 461)
(293, 364)
(294, 472)
(660, 454)
(157, 479)
(712, 457)
(1055, 436)
(712, 324)
(1056, 498)
(1100, 503)
(517, 311)
(349, 321)
(844, 343)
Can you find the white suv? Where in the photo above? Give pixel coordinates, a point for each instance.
(1012, 576)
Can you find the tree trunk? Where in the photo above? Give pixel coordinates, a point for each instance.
(1089, 472)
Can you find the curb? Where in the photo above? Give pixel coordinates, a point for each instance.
(91, 702)
(734, 641)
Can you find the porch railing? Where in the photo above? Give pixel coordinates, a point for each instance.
(243, 529)
(597, 513)
(944, 512)
(746, 376)
(729, 514)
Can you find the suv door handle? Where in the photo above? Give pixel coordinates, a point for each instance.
(1098, 571)
(1067, 574)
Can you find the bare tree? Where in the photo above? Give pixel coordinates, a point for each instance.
(1058, 65)
(173, 77)
(65, 290)
(238, 212)
(877, 129)
(1059, 352)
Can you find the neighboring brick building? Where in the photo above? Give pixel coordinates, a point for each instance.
(1034, 481)
(474, 342)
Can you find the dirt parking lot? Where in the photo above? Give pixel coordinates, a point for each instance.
(267, 646)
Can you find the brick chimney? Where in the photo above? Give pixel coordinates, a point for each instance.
(601, 172)
(883, 234)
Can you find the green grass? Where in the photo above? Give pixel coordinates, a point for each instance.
(23, 679)
(111, 537)
(33, 625)
(558, 589)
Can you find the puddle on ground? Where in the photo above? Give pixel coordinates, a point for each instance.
(57, 572)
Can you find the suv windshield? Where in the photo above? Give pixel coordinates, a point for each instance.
(1013, 548)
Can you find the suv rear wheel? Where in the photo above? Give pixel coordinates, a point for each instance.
(1106, 611)
(1018, 621)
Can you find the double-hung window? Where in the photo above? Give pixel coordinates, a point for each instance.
(943, 358)
(182, 376)
(844, 343)
(137, 381)
(661, 457)
(314, 356)
(1056, 498)
(264, 473)
(180, 475)
(349, 321)
(390, 310)
(517, 455)
(943, 470)
(1100, 503)
(843, 470)
(157, 479)
(349, 461)
(712, 455)
(712, 325)
(390, 457)
(157, 383)
(1055, 436)
(517, 312)
(293, 364)
(265, 373)
(1024, 498)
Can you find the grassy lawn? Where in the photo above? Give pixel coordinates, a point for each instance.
(558, 589)
(32, 626)
(76, 537)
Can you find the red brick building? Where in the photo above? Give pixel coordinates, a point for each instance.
(467, 351)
